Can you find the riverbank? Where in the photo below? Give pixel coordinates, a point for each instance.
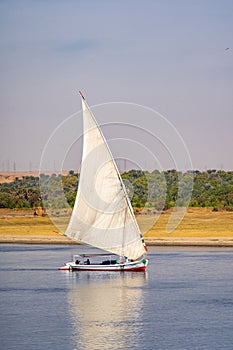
(199, 227)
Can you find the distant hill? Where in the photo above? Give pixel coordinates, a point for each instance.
(10, 176)
(6, 176)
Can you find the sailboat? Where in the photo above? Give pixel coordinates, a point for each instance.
(103, 216)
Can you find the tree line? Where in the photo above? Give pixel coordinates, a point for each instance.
(159, 190)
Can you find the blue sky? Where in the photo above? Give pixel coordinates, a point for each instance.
(167, 55)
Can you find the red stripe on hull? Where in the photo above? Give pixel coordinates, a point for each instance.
(114, 270)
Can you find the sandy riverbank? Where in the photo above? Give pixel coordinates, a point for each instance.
(200, 227)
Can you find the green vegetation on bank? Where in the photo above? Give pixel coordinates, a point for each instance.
(156, 190)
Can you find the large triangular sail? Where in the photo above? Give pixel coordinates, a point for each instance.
(102, 215)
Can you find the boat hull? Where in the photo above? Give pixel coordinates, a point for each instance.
(139, 265)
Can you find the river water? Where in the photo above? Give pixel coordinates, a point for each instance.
(183, 301)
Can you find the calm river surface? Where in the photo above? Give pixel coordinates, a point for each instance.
(184, 301)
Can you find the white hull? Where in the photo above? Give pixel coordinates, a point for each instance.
(139, 265)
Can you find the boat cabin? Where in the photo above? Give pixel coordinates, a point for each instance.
(97, 259)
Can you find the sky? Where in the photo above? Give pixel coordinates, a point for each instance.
(173, 57)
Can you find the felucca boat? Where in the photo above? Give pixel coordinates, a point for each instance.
(102, 216)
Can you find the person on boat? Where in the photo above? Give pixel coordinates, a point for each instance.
(88, 262)
(77, 262)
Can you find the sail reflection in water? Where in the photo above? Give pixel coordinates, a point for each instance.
(106, 309)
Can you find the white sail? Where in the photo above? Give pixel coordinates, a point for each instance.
(102, 214)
